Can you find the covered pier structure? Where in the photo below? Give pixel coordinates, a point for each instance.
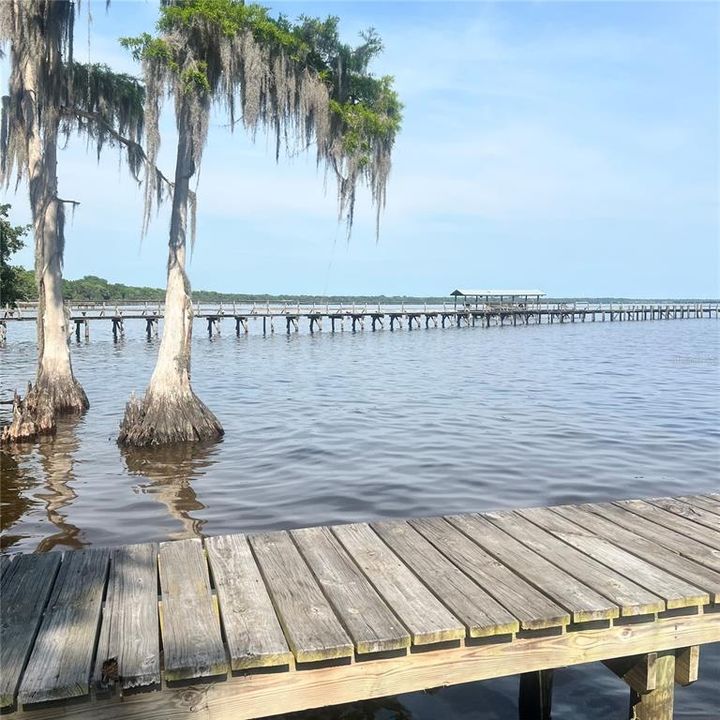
(493, 298)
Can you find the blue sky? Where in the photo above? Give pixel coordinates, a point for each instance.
(572, 147)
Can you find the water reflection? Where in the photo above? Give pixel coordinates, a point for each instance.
(49, 466)
(14, 502)
(170, 472)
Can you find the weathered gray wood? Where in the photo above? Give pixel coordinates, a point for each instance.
(5, 561)
(690, 512)
(253, 632)
(427, 619)
(61, 659)
(482, 615)
(372, 626)
(534, 610)
(24, 590)
(652, 552)
(673, 521)
(311, 628)
(704, 503)
(577, 587)
(686, 546)
(251, 695)
(192, 643)
(714, 497)
(128, 653)
(675, 591)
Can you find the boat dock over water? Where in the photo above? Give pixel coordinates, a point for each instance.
(246, 626)
(367, 317)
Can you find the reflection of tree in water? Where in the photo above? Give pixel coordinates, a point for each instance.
(13, 501)
(54, 457)
(170, 470)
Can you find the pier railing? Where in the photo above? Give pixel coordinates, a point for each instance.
(366, 315)
(137, 309)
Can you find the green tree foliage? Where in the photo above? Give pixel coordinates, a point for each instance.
(13, 284)
(297, 80)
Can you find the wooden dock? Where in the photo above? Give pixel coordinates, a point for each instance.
(356, 318)
(246, 626)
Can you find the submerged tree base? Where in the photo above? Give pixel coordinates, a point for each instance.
(35, 414)
(66, 394)
(32, 416)
(163, 419)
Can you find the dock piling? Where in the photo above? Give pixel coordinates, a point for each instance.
(657, 703)
(535, 695)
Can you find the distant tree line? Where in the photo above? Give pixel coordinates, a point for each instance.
(92, 288)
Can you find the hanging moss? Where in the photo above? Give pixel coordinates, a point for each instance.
(297, 81)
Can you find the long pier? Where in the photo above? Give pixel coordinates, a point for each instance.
(245, 626)
(357, 318)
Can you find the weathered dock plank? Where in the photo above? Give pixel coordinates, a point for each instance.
(482, 615)
(427, 619)
(24, 590)
(533, 609)
(128, 652)
(686, 546)
(576, 586)
(191, 639)
(254, 636)
(652, 552)
(346, 602)
(369, 621)
(311, 628)
(674, 521)
(704, 503)
(689, 511)
(5, 561)
(676, 592)
(262, 694)
(61, 660)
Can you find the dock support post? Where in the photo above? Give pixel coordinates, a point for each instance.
(687, 663)
(264, 326)
(535, 698)
(656, 704)
(77, 330)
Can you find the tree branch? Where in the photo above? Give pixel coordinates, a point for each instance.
(110, 130)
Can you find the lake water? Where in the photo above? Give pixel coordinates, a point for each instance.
(348, 427)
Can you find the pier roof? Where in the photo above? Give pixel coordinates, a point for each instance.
(498, 293)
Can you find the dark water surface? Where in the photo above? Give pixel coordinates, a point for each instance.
(339, 428)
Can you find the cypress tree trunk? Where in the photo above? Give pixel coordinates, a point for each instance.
(170, 412)
(56, 391)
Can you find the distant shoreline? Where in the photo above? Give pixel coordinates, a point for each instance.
(91, 288)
